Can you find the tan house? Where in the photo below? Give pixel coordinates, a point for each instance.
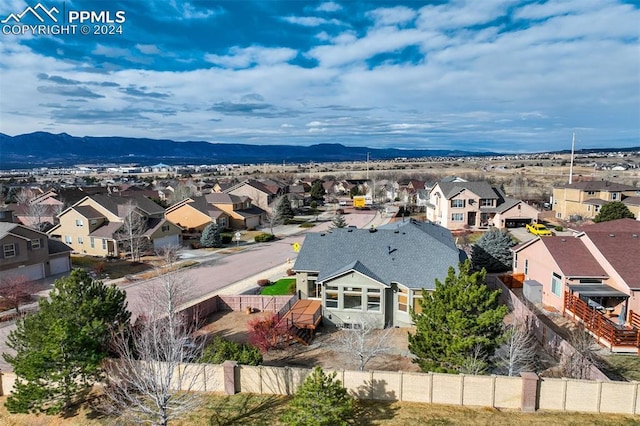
(460, 205)
(194, 214)
(585, 198)
(598, 265)
(96, 224)
(30, 253)
(262, 193)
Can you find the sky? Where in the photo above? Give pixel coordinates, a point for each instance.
(490, 75)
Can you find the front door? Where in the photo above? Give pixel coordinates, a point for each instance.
(471, 218)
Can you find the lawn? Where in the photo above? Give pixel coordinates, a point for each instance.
(279, 288)
(114, 268)
(624, 365)
(242, 409)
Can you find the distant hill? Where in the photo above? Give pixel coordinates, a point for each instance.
(46, 149)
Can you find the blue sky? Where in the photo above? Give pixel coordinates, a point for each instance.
(500, 75)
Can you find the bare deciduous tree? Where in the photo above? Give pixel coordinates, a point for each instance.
(519, 351)
(35, 213)
(363, 342)
(149, 381)
(475, 361)
(578, 365)
(131, 234)
(15, 291)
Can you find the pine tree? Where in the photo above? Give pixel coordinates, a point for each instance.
(284, 211)
(460, 324)
(59, 349)
(492, 251)
(338, 221)
(317, 191)
(320, 401)
(211, 236)
(612, 211)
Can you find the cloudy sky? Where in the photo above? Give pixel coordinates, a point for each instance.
(500, 75)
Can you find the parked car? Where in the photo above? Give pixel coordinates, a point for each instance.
(539, 229)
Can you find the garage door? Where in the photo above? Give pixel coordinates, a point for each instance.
(169, 240)
(59, 265)
(31, 272)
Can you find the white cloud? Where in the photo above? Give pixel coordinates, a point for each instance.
(109, 51)
(310, 21)
(148, 49)
(329, 7)
(254, 55)
(392, 15)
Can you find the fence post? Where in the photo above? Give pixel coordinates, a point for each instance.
(1, 388)
(529, 401)
(229, 372)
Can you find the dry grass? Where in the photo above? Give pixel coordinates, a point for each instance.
(243, 409)
(116, 268)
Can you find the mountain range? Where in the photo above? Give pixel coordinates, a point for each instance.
(46, 149)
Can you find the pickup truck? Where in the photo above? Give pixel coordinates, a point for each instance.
(539, 229)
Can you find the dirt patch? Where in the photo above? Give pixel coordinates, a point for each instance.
(322, 351)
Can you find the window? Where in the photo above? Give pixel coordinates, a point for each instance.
(68, 239)
(457, 204)
(373, 299)
(526, 266)
(165, 228)
(80, 240)
(596, 208)
(93, 222)
(515, 261)
(92, 242)
(486, 202)
(417, 299)
(331, 297)
(556, 284)
(35, 244)
(457, 217)
(352, 298)
(614, 195)
(9, 250)
(403, 297)
(588, 207)
(591, 192)
(78, 222)
(104, 244)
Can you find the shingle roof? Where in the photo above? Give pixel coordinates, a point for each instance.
(221, 198)
(116, 204)
(573, 257)
(56, 246)
(631, 201)
(88, 212)
(482, 189)
(107, 230)
(410, 253)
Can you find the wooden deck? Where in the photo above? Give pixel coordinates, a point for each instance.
(305, 314)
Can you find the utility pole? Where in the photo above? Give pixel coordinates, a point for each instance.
(573, 145)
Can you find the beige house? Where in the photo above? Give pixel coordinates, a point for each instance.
(194, 214)
(599, 265)
(461, 205)
(585, 199)
(262, 193)
(96, 224)
(29, 253)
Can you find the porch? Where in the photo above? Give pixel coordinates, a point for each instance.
(302, 320)
(615, 333)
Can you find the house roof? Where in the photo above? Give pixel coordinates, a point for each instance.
(56, 246)
(88, 212)
(106, 230)
(599, 185)
(631, 201)
(507, 204)
(8, 228)
(573, 257)
(595, 201)
(117, 205)
(482, 189)
(222, 198)
(413, 254)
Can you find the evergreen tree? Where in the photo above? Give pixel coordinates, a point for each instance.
(492, 251)
(612, 211)
(320, 401)
(59, 349)
(284, 211)
(211, 236)
(460, 323)
(317, 191)
(338, 221)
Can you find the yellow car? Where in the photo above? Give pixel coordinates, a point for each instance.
(539, 229)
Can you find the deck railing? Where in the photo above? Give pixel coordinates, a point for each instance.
(601, 326)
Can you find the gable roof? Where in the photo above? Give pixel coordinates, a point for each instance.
(410, 253)
(573, 258)
(88, 212)
(117, 205)
(17, 230)
(599, 185)
(222, 198)
(482, 189)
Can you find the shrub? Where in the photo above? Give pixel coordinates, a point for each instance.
(558, 228)
(264, 282)
(290, 272)
(307, 225)
(226, 238)
(264, 237)
(292, 288)
(221, 350)
(267, 332)
(195, 245)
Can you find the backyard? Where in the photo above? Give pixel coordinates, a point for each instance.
(282, 287)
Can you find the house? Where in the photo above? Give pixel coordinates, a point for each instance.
(262, 193)
(459, 205)
(96, 224)
(376, 272)
(584, 199)
(30, 253)
(194, 214)
(598, 265)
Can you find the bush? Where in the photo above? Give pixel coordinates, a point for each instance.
(221, 350)
(307, 225)
(267, 332)
(195, 245)
(264, 237)
(264, 282)
(226, 238)
(290, 272)
(558, 228)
